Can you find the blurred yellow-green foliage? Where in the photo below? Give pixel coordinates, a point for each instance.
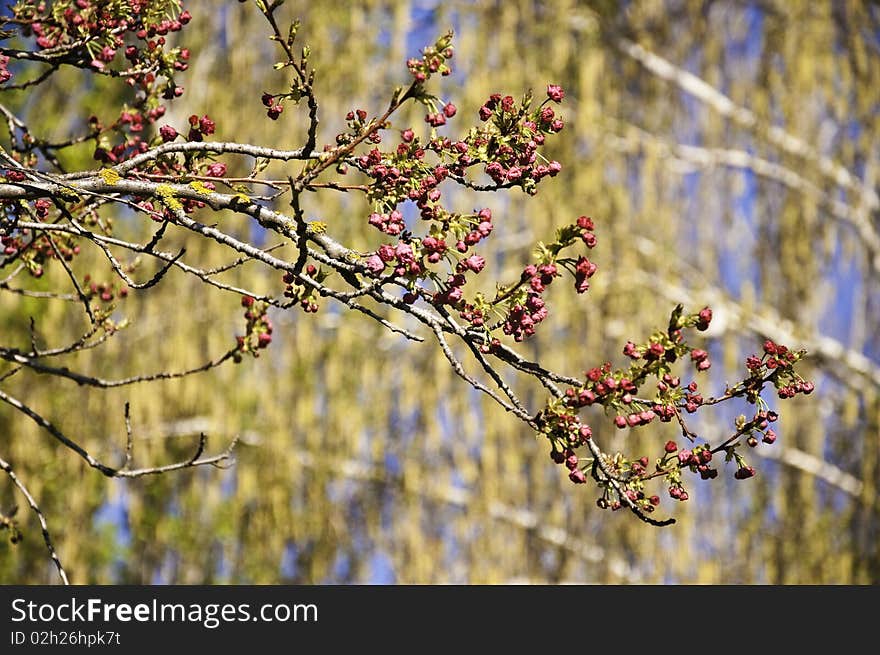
(363, 457)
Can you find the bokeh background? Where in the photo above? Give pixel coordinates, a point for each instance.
(728, 152)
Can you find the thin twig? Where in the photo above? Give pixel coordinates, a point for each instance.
(7, 468)
(126, 462)
(18, 357)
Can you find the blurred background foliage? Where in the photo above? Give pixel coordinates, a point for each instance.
(728, 152)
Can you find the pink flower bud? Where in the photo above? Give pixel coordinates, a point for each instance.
(705, 317)
(375, 264)
(217, 169)
(167, 133)
(744, 473)
(698, 355)
(474, 263)
(577, 476)
(555, 92)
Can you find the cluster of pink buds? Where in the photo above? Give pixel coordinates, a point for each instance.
(35, 252)
(584, 270)
(92, 34)
(104, 291)
(568, 434)
(522, 319)
(539, 277)
(434, 249)
(305, 296)
(273, 106)
(692, 398)
(548, 121)
(402, 257)
(200, 127)
(701, 359)
(777, 363)
(698, 461)
(635, 419)
(677, 492)
(482, 230)
(258, 333)
(514, 158)
(391, 223)
(434, 60)
(599, 386)
(436, 119)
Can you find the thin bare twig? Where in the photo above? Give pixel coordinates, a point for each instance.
(109, 471)
(129, 446)
(44, 527)
(18, 357)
